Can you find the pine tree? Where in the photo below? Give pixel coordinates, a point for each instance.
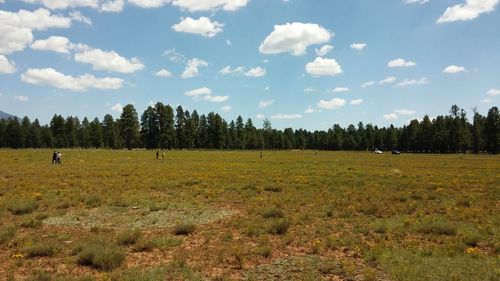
(129, 126)
(492, 131)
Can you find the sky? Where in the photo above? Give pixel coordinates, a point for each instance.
(299, 63)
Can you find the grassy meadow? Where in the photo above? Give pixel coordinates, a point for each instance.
(292, 215)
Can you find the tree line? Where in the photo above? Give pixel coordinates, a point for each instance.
(160, 127)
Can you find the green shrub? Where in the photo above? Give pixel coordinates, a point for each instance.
(31, 222)
(129, 237)
(436, 227)
(154, 243)
(22, 207)
(40, 276)
(92, 200)
(100, 255)
(264, 251)
(41, 249)
(472, 239)
(272, 188)
(273, 213)
(184, 229)
(6, 234)
(279, 226)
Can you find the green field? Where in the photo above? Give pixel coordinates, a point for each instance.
(292, 215)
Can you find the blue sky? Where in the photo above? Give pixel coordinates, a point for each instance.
(299, 63)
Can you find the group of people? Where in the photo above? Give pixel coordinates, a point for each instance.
(56, 157)
(158, 154)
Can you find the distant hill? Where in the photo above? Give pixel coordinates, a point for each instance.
(4, 115)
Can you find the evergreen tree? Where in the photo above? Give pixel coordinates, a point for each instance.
(34, 135)
(180, 123)
(492, 131)
(477, 131)
(95, 133)
(129, 126)
(57, 126)
(14, 133)
(83, 134)
(150, 128)
(109, 132)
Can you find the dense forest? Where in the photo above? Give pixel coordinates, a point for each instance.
(160, 127)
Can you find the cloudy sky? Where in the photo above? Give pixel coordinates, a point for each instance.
(299, 63)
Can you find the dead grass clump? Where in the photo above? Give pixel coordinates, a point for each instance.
(279, 226)
(41, 250)
(22, 207)
(184, 229)
(274, 212)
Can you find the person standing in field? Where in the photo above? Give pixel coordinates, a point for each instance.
(157, 154)
(59, 156)
(163, 155)
(54, 157)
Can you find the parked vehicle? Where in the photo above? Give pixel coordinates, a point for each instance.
(377, 151)
(396, 152)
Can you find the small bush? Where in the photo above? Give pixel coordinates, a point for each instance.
(331, 267)
(271, 188)
(129, 237)
(472, 239)
(93, 200)
(264, 251)
(22, 207)
(100, 255)
(463, 203)
(273, 213)
(40, 276)
(31, 222)
(41, 250)
(154, 243)
(6, 234)
(436, 227)
(184, 229)
(279, 227)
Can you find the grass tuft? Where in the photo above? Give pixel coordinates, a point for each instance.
(184, 229)
(23, 207)
(100, 255)
(129, 237)
(279, 226)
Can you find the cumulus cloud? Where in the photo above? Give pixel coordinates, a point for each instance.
(309, 110)
(77, 16)
(493, 92)
(390, 116)
(400, 63)
(172, 55)
(388, 80)
(117, 108)
(358, 46)
(149, 3)
(286, 116)
(469, 10)
(227, 70)
(452, 69)
(6, 66)
(357, 102)
(164, 73)
(58, 44)
(294, 38)
(109, 60)
(202, 26)
(421, 2)
(226, 108)
(321, 52)
(310, 90)
(260, 116)
(408, 82)
(256, 72)
(65, 4)
(486, 100)
(209, 5)
(50, 77)
(205, 94)
(192, 68)
(404, 111)
(331, 104)
(339, 90)
(265, 103)
(113, 6)
(16, 28)
(368, 84)
(323, 67)
(21, 98)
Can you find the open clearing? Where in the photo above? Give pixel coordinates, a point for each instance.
(293, 215)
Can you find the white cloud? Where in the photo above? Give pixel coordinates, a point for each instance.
(229, 71)
(405, 112)
(113, 6)
(294, 38)
(117, 108)
(192, 68)
(209, 5)
(265, 103)
(205, 94)
(388, 80)
(421, 2)
(260, 116)
(58, 44)
(149, 3)
(368, 84)
(408, 82)
(16, 27)
(493, 93)
(64, 4)
(21, 98)
(323, 67)
(310, 90)
(256, 72)
(390, 116)
(486, 100)
(6, 66)
(172, 55)
(452, 69)
(202, 26)
(469, 10)
(50, 77)
(340, 90)
(228, 42)
(109, 60)
(331, 104)
(357, 102)
(286, 116)
(358, 46)
(321, 52)
(164, 73)
(309, 110)
(77, 16)
(227, 108)
(400, 63)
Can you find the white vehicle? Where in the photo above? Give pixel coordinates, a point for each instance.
(378, 151)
